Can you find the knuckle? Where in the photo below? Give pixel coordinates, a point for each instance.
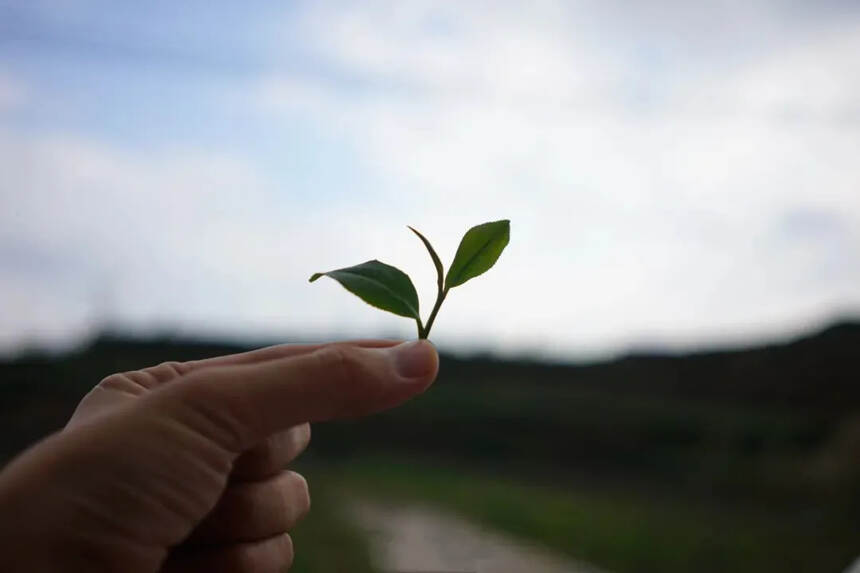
(169, 370)
(287, 550)
(113, 380)
(295, 496)
(141, 381)
(131, 382)
(303, 494)
(144, 378)
(340, 364)
(351, 377)
(217, 413)
(271, 456)
(301, 437)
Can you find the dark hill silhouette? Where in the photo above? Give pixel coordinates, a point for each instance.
(820, 370)
(756, 421)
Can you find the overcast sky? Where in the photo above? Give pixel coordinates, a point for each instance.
(676, 173)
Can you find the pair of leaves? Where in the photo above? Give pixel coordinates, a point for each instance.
(388, 288)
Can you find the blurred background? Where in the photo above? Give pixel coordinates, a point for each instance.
(660, 373)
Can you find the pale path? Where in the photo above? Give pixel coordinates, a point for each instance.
(417, 539)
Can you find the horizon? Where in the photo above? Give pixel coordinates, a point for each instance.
(167, 337)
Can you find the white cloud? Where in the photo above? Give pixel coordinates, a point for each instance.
(655, 216)
(162, 238)
(13, 92)
(656, 163)
(817, 80)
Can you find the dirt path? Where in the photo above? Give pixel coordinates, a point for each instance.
(418, 539)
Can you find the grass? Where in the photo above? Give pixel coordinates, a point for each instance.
(623, 531)
(326, 541)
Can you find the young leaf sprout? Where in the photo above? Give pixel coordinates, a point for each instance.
(389, 288)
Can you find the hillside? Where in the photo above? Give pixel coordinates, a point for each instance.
(756, 421)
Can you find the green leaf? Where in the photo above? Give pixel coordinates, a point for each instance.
(440, 270)
(379, 285)
(478, 251)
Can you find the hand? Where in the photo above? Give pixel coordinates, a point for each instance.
(180, 467)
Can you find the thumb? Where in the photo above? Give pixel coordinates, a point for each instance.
(239, 406)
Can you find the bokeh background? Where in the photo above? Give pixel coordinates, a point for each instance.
(660, 373)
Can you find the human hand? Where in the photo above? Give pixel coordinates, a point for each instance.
(180, 467)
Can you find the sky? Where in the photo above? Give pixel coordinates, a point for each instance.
(677, 174)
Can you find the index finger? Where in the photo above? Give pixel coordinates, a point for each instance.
(280, 351)
(239, 406)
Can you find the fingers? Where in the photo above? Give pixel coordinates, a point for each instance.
(255, 510)
(272, 455)
(124, 387)
(273, 555)
(279, 351)
(240, 406)
(137, 382)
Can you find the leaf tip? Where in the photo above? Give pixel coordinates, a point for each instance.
(315, 276)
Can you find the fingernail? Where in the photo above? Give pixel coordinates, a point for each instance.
(413, 359)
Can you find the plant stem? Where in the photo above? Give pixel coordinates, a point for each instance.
(420, 328)
(439, 299)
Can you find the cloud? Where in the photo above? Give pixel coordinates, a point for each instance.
(674, 174)
(644, 201)
(13, 92)
(170, 238)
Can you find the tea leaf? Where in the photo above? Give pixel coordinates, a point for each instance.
(478, 251)
(379, 285)
(440, 270)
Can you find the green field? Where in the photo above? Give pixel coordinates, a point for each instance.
(623, 531)
(326, 541)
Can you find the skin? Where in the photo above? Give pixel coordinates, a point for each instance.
(181, 467)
